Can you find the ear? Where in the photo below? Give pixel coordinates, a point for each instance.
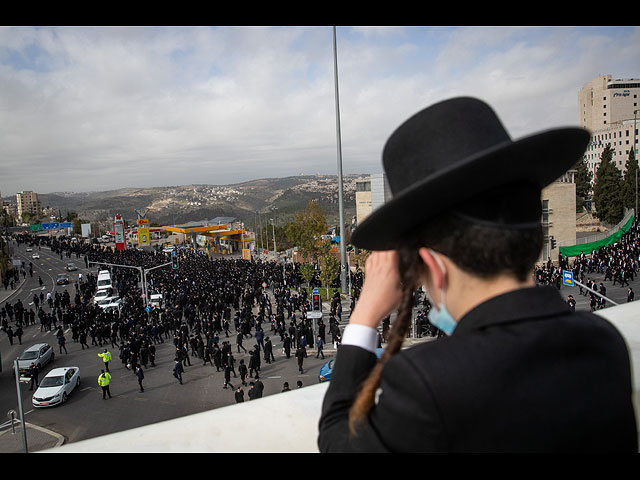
(434, 273)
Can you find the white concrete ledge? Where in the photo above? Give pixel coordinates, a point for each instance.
(283, 422)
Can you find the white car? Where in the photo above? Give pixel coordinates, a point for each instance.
(29, 249)
(155, 299)
(101, 295)
(35, 255)
(110, 302)
(56, 387)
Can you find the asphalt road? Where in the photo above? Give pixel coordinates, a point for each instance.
(86, 414)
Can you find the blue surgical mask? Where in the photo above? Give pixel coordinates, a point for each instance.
(440, 316)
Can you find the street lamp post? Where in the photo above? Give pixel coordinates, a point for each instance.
(343, 279)
(635, 158)
(275, 250)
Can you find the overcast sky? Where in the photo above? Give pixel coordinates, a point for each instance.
(99, 108)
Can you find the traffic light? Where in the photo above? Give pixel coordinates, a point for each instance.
(553, 243)
(174, 261)
(316, 303)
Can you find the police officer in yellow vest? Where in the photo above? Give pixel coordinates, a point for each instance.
(106, 358)
(104, 379)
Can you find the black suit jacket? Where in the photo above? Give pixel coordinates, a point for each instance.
(521, 373)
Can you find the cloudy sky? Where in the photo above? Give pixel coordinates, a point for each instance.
(98, 108)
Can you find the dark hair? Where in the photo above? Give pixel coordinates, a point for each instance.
(481, 249)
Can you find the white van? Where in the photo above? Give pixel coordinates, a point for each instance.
(104, 280)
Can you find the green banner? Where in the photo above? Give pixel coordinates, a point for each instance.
(36, 228)
(588, 248)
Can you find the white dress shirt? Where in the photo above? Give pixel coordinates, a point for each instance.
(360, 336)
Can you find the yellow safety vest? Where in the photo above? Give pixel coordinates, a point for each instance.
(106, 357)
(104, 379)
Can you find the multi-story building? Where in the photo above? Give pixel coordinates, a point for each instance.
(604, 101)
(609, 109)
(558, 215)
(27, 201)
(620, 136)
(371, 193)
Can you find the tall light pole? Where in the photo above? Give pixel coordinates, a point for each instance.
(343, 256)
(635, 159)
(275, 250)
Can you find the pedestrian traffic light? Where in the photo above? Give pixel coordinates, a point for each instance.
(316, 303)
(174, 261)
(553, 243)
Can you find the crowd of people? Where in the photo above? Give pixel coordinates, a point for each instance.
(618, 263)
(212, 310)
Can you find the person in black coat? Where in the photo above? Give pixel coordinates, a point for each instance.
(178, 370)
(268, 351)
(286, 345)
(34, 371)
(516, 370)
(239, 395)
(252, 393)
(140, 375)
(301, 353)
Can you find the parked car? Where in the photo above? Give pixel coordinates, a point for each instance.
(327, 369)
(56, 387)
(71, 267)
(63, 279)
(40, 354)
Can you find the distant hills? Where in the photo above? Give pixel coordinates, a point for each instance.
(247, 201)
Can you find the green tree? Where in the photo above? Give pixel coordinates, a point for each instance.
(28, 217)
(583, 179)
(306, 229)
(607, 189)
(329, 267)
(307, 272)
(629, 181)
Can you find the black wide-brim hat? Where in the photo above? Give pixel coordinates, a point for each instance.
(453, 152)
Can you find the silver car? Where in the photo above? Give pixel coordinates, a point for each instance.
(40, 354)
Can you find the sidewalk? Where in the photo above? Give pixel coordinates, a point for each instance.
(38, 438)
(9, 293)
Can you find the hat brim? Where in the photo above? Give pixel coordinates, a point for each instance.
(541, 158)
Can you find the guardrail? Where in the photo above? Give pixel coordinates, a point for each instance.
(284, 422)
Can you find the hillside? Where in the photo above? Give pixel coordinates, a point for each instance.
(246, 201)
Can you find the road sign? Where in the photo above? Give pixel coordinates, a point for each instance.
(314, 314)
(316, 291)
(567, 278)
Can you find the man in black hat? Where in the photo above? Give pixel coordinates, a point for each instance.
(516, 369)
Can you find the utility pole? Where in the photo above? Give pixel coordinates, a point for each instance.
(635, 158)
(343, 263)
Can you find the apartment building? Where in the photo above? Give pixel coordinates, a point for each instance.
(608, 108)
(27, 201)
